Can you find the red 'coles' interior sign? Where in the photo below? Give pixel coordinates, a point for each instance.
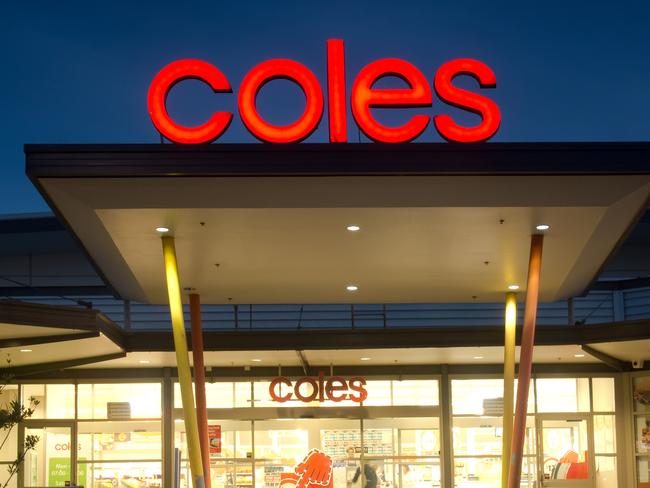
(318, 388)
(363, 98)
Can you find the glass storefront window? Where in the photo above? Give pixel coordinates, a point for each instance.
(119, 441)
(562, 395)
(121, 401)
(415, 392)
(217, 395)
(641, 392)
(55, 401)
(473, 397)
(123, 474)
(603, 394)
(604, 434)
(606, 472)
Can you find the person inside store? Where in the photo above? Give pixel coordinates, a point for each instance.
(369, 474)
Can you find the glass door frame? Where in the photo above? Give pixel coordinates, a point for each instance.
(41, 424)
(588, 418)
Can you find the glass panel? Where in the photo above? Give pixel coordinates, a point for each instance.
(604, 434)
(641, 394)
(280, 446)
(13, 482)
(243, 395)
(477, 472)
(606, 472)
(236, 439)
(124, 475)
(49, 463)
(563, 395)
(483, 436)
(469, 396)
(415, 392)
(119, 441)
(565, 449)
(59, 401)
(37, 392)
(643, 471)
(603, 392)
(119, 401)
(217, 395)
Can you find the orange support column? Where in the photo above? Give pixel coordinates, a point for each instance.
(525, 360)
(199, 384)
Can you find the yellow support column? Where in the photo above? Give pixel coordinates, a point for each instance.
(182, 360)
(508, 382)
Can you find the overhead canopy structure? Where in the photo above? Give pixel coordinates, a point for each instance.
(35, 338)
(267, 224)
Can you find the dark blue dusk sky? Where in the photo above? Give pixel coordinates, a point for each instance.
(78, 72)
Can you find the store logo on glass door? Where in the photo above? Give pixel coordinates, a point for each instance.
(364, 96)
(318, 388)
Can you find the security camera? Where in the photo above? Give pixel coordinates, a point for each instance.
(638, 364)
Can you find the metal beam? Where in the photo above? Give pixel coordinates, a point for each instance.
(303, 362)
(199, 384)
(31, 341)
(526, 359)
(182, 360)
(508, 382)
(611, 361)
(32, 369)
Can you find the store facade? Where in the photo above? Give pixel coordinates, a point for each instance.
(268, 224)
(126, 430)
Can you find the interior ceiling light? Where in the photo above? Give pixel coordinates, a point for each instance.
(144, 361)
(578, 355)
(365, 359)
(478, 357)
(162, 230)
(353, 228)
(513, 287)
(543, 227)
(256, 360)
(25, 350)
(352, 287)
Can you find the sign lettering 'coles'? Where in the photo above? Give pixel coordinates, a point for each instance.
(363, 98)
(318, 388)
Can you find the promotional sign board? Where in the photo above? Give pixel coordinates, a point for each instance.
(214, 439)
(363, 97)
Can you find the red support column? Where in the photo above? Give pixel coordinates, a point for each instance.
(199, 384)
(526, 360)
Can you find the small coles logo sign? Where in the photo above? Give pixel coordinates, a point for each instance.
(364, 97)
(318, 388)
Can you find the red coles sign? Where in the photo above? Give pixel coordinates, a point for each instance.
(363, 98)
(311, 388)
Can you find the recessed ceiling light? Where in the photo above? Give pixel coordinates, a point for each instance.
(25, 350)
(477, 357)
(365, 359)
(543, 227)
(513, 287)
(162, 230)
(578, 355)
(352, 287)
(144, 361)
(256, 360)
(353, 228)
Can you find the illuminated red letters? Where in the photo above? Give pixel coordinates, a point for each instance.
(280, 69)
(334, 388)
(486, 108)
(364, 97)
(164, 81)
